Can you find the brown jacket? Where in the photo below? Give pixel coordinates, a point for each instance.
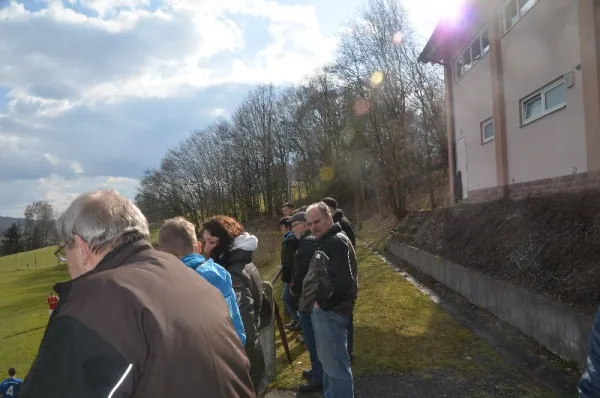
(141, 324)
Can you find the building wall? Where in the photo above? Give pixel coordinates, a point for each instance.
(541, 47)
(472, 106)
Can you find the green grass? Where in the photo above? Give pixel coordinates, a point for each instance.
(34, 258)
(24, 313)
(397, 329)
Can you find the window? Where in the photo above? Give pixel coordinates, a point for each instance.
(478, 47)
(514, 11)
(547, 100)
(487, 131)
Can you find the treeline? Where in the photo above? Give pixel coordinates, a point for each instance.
(369, 127)
(38, 230)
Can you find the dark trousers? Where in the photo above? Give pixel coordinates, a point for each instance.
(350, 330)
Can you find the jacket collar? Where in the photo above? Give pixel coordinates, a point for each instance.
(113, 259)
(332, 231)
(193, 260)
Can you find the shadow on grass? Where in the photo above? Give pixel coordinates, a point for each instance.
(23, 332)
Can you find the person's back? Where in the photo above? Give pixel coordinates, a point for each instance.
(10, 387)
(177, 236)
(133, 321)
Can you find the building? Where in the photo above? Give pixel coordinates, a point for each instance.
(522, 96)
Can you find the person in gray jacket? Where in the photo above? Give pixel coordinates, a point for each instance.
(330, 289)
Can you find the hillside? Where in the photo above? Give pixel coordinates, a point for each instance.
(548, 245)
(30, 259)
(6, 222)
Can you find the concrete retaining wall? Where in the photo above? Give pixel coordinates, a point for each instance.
(554, 325)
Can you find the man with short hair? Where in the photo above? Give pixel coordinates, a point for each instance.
(330, 288)
(287, 209)
(305, 252)
(289, 244)
(177, 236)
(340, 218)
(10, 387)
(133, 321)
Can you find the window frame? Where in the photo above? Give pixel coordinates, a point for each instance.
(542, 93)
(483, 125)
(520, 15)
(483, 52)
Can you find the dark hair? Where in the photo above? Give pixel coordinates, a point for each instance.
(285, 221)
(289, 205)
(12, 372)
(330, 202)
(226, 229)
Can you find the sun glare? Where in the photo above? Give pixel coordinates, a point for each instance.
(448, 10)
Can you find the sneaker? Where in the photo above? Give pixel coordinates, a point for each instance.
(296, 327)
(292, 325)
(310, 388)
(307, 374)
(300, 339)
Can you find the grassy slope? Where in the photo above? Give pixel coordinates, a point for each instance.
(41, 257)
(24, 313)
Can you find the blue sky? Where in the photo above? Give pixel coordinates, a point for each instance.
(92, 92)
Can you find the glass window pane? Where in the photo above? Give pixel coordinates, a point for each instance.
(511, 14)
(476, 50)
(533, 107)
(555, 96)
(526, 6)
(488, 131)
(459, 68)
(466, 59)
(485, 41)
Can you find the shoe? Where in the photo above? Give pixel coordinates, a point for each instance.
(296, 327)
(310, 388)
(293, 325)
(307, 374)
(300, 339)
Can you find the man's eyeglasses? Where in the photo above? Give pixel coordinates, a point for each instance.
(61, 254)
(297, 223)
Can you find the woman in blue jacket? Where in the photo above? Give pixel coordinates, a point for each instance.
(178, 237)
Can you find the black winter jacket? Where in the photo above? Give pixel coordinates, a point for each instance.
(332, 276)
(340, 218)
(306, 249)
(289, 245)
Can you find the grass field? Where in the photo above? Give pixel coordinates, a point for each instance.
(31, 259)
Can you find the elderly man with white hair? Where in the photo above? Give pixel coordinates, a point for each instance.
(133, 321)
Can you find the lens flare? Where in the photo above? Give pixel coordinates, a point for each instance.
(398, 37)
(361, 107)
(376, 78)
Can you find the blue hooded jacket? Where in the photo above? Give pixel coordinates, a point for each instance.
(219, 278)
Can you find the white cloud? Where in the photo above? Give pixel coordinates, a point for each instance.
(94, 91)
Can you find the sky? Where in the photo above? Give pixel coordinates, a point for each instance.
(92, 92)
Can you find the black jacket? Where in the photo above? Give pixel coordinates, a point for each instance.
(289, 245)
(332, 276)
(306, 249)
(248, 288)
(340, 218)
(140, 324)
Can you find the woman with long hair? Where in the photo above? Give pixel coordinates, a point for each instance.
(226, 242)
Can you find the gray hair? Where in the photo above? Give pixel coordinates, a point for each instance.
(322, 207)
(103, 219)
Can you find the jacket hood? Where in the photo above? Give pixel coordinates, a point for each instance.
(245, 242)
(338, 215)
(211, 271)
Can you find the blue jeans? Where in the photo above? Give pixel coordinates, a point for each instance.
(289, 304)
(331, 334)
(309, 338)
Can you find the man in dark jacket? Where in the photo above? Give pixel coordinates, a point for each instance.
(305, 252)
(133, 321)
(289, 244)
(340, 218)
(330, 289)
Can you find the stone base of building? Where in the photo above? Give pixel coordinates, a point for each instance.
(547, 186)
